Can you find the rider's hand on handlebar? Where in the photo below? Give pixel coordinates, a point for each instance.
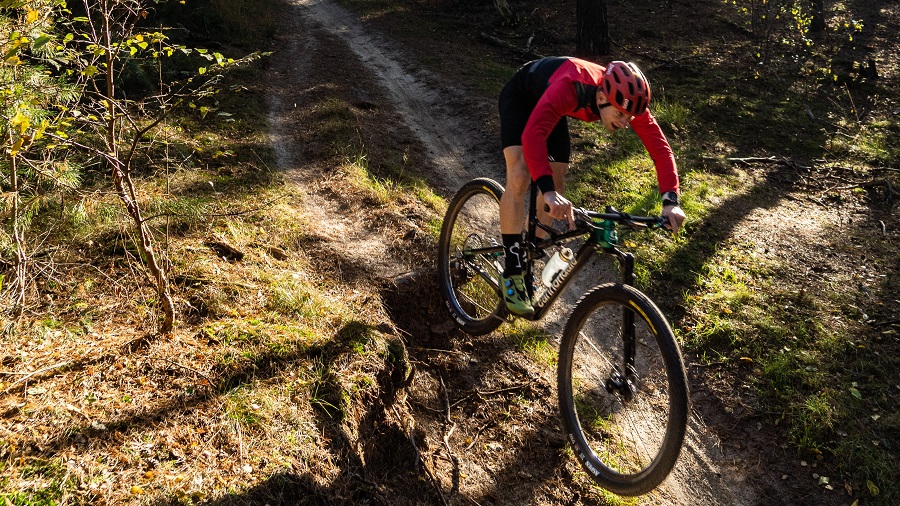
(676, 217)
(560, 208)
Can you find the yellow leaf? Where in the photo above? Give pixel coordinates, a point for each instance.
(13, 60)
(137, 490)
(873, 489)
(32, 16)
(18, 118)
(16, 147)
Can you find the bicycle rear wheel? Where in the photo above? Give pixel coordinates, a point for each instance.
(625, 418)
(470, 257)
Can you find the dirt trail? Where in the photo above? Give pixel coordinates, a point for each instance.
(417, 96)
(701, 477)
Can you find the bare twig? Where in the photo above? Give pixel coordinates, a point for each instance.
(455, 461)
(488, 392)
(479, 432)
(209, 381)
(33, 373)
(420, 461)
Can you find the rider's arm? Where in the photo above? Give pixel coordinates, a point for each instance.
(544, 117)
(660, 151)
(646, 127)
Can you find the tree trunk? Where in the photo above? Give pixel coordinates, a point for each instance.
(21, 266)
(121, 174)
(818, 16)
(126, 192)
(592, 39)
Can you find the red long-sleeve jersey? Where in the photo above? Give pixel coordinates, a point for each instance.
(569, 92)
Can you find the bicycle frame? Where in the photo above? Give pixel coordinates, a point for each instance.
(536, 246)
(535, 250)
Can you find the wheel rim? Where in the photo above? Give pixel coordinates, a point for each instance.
(474, 279)
(624, 437)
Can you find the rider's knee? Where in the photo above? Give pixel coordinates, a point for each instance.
(518, 184)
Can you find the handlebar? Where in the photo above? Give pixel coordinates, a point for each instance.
(587, 217)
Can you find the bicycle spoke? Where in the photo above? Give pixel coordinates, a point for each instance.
(620, 415)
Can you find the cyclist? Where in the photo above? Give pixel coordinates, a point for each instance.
(534, 107)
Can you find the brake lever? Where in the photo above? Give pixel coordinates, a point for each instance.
(583, 219)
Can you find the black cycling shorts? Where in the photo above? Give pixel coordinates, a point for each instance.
(517, 100)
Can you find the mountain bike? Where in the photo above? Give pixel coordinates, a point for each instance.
(622, 386)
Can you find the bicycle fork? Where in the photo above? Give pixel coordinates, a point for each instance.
(624, 384)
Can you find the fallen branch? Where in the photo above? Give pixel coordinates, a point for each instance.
(504, 44)
(850, 184)
(888, 189)
(455, 461)
(191, 369)
(479, 432)
(654, 58)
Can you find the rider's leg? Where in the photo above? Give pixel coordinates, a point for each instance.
(512, 217)
(512, 208)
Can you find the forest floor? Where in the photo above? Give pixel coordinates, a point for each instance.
(388, 402)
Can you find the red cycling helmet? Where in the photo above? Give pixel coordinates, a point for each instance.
(626, 88)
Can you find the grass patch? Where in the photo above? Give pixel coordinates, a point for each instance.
(531, 339)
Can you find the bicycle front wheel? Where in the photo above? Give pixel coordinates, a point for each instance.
(623, 391)
(470, 257)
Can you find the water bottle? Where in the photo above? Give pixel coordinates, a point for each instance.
(558, 263)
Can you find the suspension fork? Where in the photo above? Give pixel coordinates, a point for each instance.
(626, 263)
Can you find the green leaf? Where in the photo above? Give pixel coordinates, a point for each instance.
(855, 393)
(201, 70)
(90, 70)
(12, 4)
(41, 41)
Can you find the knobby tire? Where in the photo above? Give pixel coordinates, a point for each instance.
(628, 446)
